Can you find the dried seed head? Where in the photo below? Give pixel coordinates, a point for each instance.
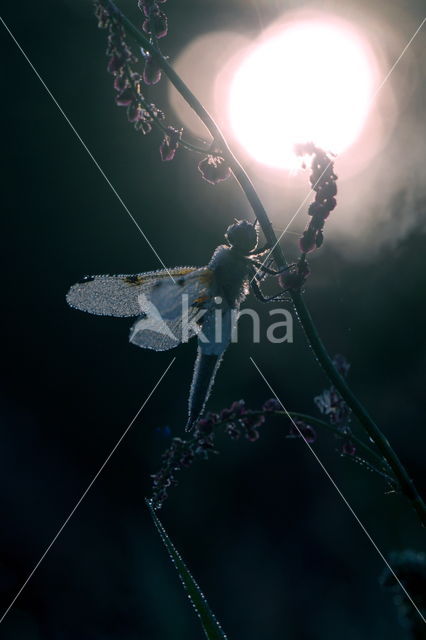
(214, 169)
(295, 276)
(151, 72)
(156, 24)
(272, 405)
(348, 448)
(170, 143)
(125, 97)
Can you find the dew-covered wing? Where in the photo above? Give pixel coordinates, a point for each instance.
(172, 311)
(118, 295)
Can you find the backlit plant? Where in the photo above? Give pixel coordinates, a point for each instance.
(341, 411)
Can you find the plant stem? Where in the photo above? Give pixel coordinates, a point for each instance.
(316, 421)
(163, 128)
(238, 171)
(406, 484)
(326, 425)
(181, 448)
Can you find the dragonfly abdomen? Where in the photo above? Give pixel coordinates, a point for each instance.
(205, 369)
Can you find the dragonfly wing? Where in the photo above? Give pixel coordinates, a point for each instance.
(118, 295)
(152, 331)
(171, 310)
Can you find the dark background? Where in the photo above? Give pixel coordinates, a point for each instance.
(272, 544)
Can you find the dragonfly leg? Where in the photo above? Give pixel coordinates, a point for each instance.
(264, 249)
(259, 294)
(267, 270)
(260, 274)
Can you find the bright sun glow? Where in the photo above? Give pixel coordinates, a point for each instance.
(313, 81)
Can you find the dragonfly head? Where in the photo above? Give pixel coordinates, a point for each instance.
(242, 236)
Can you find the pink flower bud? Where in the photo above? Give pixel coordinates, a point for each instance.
(151, 72)
(348, 448)
(214, 169)
(156, 24)
(307, 241)
(125, 98)
(120, 82)
(115, 63)
(170, 144)
(134, 112)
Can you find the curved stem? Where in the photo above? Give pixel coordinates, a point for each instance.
(238, 171)
(184, 449)
(156, 121)
(326, 425)
(309, 420)
(382, 444)
(185, 144)
(315, 342)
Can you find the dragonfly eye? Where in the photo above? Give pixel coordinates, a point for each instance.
(242, 235)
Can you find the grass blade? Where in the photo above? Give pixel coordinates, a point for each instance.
(208, 620)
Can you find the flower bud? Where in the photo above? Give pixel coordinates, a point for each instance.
(156, 24)
(134, 112)
(170, 144)
(272, 405)
(238, 408)
(307, 241)
(125, 98)
(151, 72)
(115, 63)
(348, 448)
(294, 277)
(120, 82)
(214, 169)
(319, 238)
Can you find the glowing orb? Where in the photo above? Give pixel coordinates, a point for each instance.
(311, 81)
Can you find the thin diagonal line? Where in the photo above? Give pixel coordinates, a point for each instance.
(83, 495)
(374, 96)
(293, 217)
(398, 59)
(102, 172)
(311, 190)
(312, 450)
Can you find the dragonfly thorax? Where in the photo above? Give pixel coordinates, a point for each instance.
(231, 274)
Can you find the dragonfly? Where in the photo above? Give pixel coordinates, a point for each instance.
(173, 305)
